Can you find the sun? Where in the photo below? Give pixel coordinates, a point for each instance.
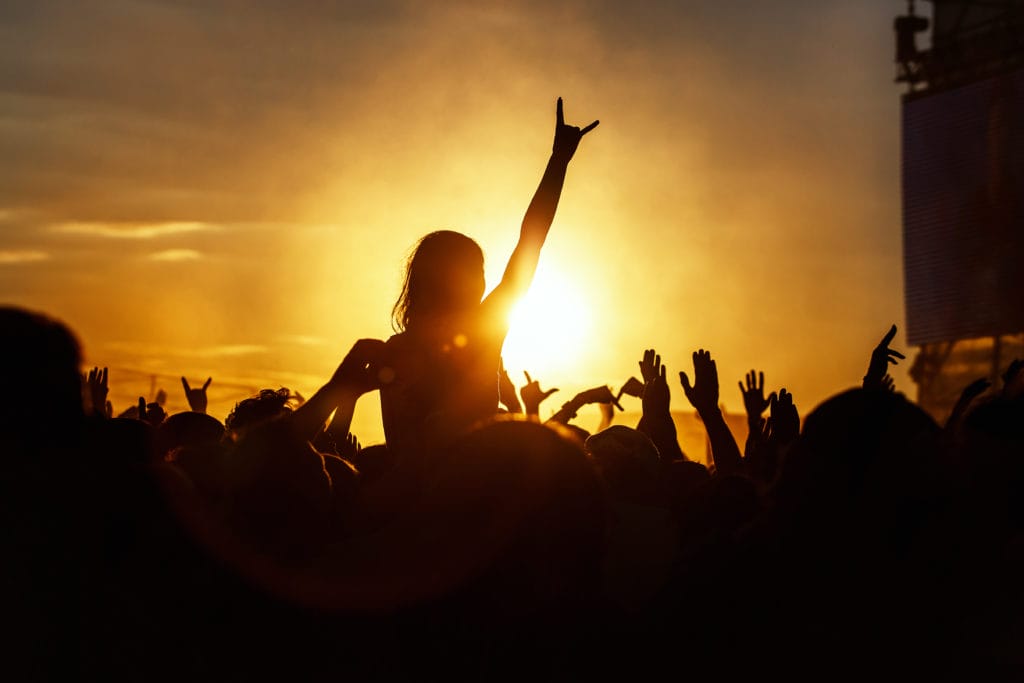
(548, 328)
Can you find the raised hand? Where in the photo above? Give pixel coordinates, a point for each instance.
(703, 394)
(657, 397)
(196, 397)
(96, 387)
(754, 400)
(632, 387)
(358, 371)
(507, 390)
(532, 395)
(881, 358)
(650, 365)
(785, 420)
(151, 412)
(601, 394)
(567, 138)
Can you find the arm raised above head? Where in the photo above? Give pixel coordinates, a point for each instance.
(523, 263)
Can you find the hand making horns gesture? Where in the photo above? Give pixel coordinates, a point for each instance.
(567, 138)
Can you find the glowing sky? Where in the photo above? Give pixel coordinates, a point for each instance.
(231, 189)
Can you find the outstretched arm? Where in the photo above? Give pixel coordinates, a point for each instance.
(523, 263)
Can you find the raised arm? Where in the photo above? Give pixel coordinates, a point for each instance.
(539, 215)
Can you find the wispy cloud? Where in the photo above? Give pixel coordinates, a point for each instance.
(131, 231)
(175, 255)
(9, 257)
(223, 350)
(159, 351)
(301, 340)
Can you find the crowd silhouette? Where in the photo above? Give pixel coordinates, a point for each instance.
(482, 541)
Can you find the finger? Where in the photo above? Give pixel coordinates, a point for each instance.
(528, 380)
(548, 393)
(103, 377)
(685, 381)
(615, 402)
(184, 383)
(559, 116)
(207, 384)
(142, 407)
(589, 128)
(889, 336)
(893, 352)
(760, 381)
(742, 391)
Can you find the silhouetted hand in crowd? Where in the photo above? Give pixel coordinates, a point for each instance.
(967, 396)
(196, 397)
(507, 390)
(632, 387)
(601, 394)
(785, 419)
(657, 397)
(657, 421)
(754, 400)
(888, 383)
(357, 374)
(152, 413)
(881, 358)
(650, 366)
(358, 371)
(532, 395)
(703, 394)
(1013, 379)
(95, 382)
(567, 138)
(755, 451)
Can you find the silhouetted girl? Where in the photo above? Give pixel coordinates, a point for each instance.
(441, 372)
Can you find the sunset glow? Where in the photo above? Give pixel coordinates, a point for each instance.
(269, 187)
(550, 328)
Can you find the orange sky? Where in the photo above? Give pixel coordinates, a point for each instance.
(232, 190)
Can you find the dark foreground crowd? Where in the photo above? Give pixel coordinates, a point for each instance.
(864, 540)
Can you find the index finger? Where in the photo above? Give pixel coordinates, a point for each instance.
(559, 116)
(889, 336)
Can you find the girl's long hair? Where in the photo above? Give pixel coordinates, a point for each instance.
(444, 274)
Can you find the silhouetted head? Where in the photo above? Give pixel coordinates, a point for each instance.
(42, 377)
(522, 503)
(868, 453)
(268, 405)
(444, 277)
(187, 430)
(277, 493)
(626, 458)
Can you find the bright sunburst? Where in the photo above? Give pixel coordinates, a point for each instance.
(549, 328)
